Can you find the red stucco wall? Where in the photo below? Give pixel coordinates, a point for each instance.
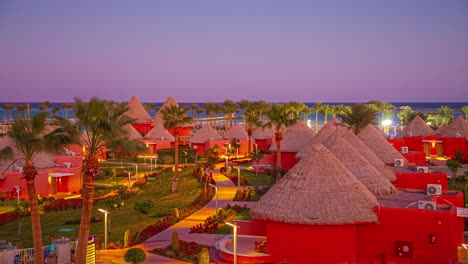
(420, 180)
(397, 143)
(416, 157)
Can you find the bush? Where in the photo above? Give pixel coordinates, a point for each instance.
(175, 241)
(166, 156)
(204, 257)
(135, 255)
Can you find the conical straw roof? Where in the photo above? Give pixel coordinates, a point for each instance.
(41, 160)
(158, 132)
(374, 180)
(237, 132)
(205, 133)
(295, 137)
(416, 128)
(263, 133)
(458, 128)
(319, 190)
(137, 111)
(379, 145)
(323, 134)
(442, 129)
(369, 155)
(158, 117)
(132, 133)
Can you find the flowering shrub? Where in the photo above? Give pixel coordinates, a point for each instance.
(188, 251)
(212, 222)
(8, 217)
(62, 204)
(244, 194)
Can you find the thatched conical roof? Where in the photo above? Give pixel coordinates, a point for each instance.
(41, 160)
(369, 155)
(319, 190)
(458, 128)
(137, 111)
(323, 134)
(263, 133)
(236, 131)
(158, 132)
(374, 180)
(205, 133)
(416, 128)
(442, 129)
(379, 145)
(295, 138)
(132, 133)
(158, 117)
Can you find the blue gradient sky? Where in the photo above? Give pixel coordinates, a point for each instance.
(333, 51)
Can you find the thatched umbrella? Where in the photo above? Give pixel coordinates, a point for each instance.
(238, 132)
(458, 128)
(379, 145)
(295, 137)
(416, 128)
(205, 133)
(369, 155)
(137, 111)
(132, 133)
(260, 133)
(323, 134)
(374, 180)
(319, 190)
(158, 132)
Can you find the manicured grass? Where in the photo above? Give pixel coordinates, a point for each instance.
(124, 218)
(241, 215)
(256, 180)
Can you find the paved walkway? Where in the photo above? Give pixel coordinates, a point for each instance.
(226, 193)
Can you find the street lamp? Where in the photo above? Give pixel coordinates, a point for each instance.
(256, 148)
(235, 239)
(238, 177)
(185, 154)
(129, 181)
(136, 169)
(18, 190)
(216, 187)
(106, 223)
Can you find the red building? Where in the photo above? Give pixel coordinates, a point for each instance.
(201, 140)
(158, 138)
(238, 132)
(137, 112)
(264, 137)
(184, 131)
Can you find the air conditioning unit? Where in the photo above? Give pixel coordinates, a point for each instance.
(67, 164)
(422, 170)
(399, 163)
(434, 189)
(404, 149)
(427, 205)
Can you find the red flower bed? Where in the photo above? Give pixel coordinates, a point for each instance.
(8, 217)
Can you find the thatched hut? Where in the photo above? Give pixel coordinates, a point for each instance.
(379, 145)
(347, 154)
(457, 129)
(264, 137)
(318, 199)
(369, 155)
(416, 128)
(136, 111)
(323, 134)
(295, 139)
(184, 131)
(442, 130)
(158, 138)
(132, 133)
(199, 140)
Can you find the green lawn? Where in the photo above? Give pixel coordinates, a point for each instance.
(122, 219)
(255, 180)
(241, 215)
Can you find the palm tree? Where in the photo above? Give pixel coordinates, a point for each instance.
(306, 112)
(229, 108)
(334, 110)
(317, 108)
(251, 122)
(359, 117)
(261, 107)
(464, 111)
(446, 114)
(9, 107)
(104, 124)
(210, 109)
(28, 140)
(278, 119)
(326, 110)
(343, 109)
(174, 117)
(244, 105)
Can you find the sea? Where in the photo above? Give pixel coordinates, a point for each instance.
(429, 107)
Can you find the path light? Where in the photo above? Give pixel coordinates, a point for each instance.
(235, 239)
(129, 181)
(256, 148)
(238, 177)
(18, 190)
(106, 223)
(185, 154)
(216, 187)
(226, 155)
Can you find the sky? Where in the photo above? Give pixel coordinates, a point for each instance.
(200, 51)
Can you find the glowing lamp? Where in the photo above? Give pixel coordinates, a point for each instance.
(387, 122)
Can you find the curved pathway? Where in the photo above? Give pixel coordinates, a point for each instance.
(226, 193)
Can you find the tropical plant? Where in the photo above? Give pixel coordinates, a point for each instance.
(103, 123)
(244, 105)
(174, 117)
(229, 108)
(28, 139)
(278, 119)
(464, 110)
(326, 110)
(8, 108)
(453, 166)
(296, 108)
(251, 122)
(334, 110)
(260, 108)
(143, 208)
(446, 114)
(359, 117)
(306, 112)
(317, 108)
(147, 106)
(135, 256)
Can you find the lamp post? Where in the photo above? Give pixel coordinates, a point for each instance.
(185, 154)
(216, 188)
(105, 212)
(18, 190)
(227, 157)
(129, 181)
(234, 240)
(256, 148)
(136, 169)
(238, 177)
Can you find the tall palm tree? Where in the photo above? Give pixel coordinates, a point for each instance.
(359, 117)
(446, 114)
(279, 119)
(28, 139)
(244, 105)
(326, 110)
(9, 108)
(261, 107)
(464, 111)
(251, 122)
(306, 112)
(104, 124)
(334, 110)
(174, 117)
(229, 108)
(210, 110)
(317, 108)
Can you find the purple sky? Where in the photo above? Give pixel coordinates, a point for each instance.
(334, 51)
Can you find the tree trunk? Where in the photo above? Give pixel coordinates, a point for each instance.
(278, 155)
(249, 133)
(316, 121)
(175, 179)
(91, 168)
(30, 173)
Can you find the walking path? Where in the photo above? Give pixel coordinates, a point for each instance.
(226, 193)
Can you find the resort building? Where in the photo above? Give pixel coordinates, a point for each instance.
(158, 138)
(264, 137)
(206, 138)
(184, 131)
(237, 132)
(137, 112)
